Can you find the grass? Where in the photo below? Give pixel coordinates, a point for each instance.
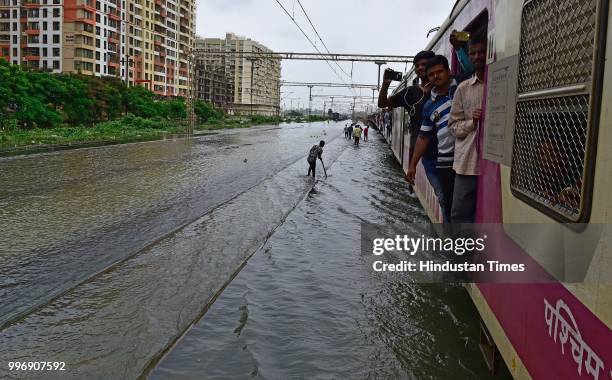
(129, 129)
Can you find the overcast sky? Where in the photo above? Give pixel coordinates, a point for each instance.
(394, 27)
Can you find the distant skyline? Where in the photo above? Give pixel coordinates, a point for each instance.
(392, 27)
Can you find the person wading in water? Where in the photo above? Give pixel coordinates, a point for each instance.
(315, 152)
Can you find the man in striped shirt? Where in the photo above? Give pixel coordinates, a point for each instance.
(435, 144)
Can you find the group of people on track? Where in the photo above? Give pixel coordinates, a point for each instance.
(355, 132)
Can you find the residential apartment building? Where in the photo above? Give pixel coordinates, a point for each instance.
(146, 42)
(214, 73)
(252, 86)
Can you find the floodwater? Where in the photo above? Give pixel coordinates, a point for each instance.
(109, 255)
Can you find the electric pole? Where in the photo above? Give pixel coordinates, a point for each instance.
(379, 63)
(309, 99)
(252, 60)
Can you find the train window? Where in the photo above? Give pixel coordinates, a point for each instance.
(558, 106)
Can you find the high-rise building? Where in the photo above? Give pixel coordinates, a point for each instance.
(251, 85)
(145, 42)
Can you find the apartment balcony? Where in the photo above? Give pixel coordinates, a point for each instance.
(87, 5)
(159, 2)
(32, 58)
(113, 38)
(32, 32)
(114, 14)
(89, 21)
(30, 4)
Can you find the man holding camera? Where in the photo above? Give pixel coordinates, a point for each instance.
(412, 98)
(435, 144)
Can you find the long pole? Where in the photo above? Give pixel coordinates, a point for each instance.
(252, 60)
(309, 99)
(190, 100)
(379, 63)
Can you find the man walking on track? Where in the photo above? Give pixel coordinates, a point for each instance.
(357, 134)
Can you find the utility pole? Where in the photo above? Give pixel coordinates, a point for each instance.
(252, 60)
(379, 63)
(309, 99)
(324, 104)
(279, 98)
(190, 96)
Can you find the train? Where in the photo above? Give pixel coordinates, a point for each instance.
(547, 120)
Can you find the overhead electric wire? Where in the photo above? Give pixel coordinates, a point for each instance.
(309, 40)
(321, 39)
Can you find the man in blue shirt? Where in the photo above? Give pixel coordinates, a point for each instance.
(435, 144)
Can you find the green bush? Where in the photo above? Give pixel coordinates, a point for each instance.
(32, 99)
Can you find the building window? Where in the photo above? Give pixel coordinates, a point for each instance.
(44, 25)
(56, 25)
(56, 12)
(44, 12)
(56, 64)
(56, 38)
(56, 52)
(44, 52)
(44, 38)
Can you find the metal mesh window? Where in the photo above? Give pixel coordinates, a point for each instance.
(557, 43)
(551, 149)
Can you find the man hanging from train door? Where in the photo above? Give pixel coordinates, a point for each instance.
(435, 143)
(464, 122)
(412, 98)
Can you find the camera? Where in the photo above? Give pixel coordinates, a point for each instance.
(393, 75)
(461, 36)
